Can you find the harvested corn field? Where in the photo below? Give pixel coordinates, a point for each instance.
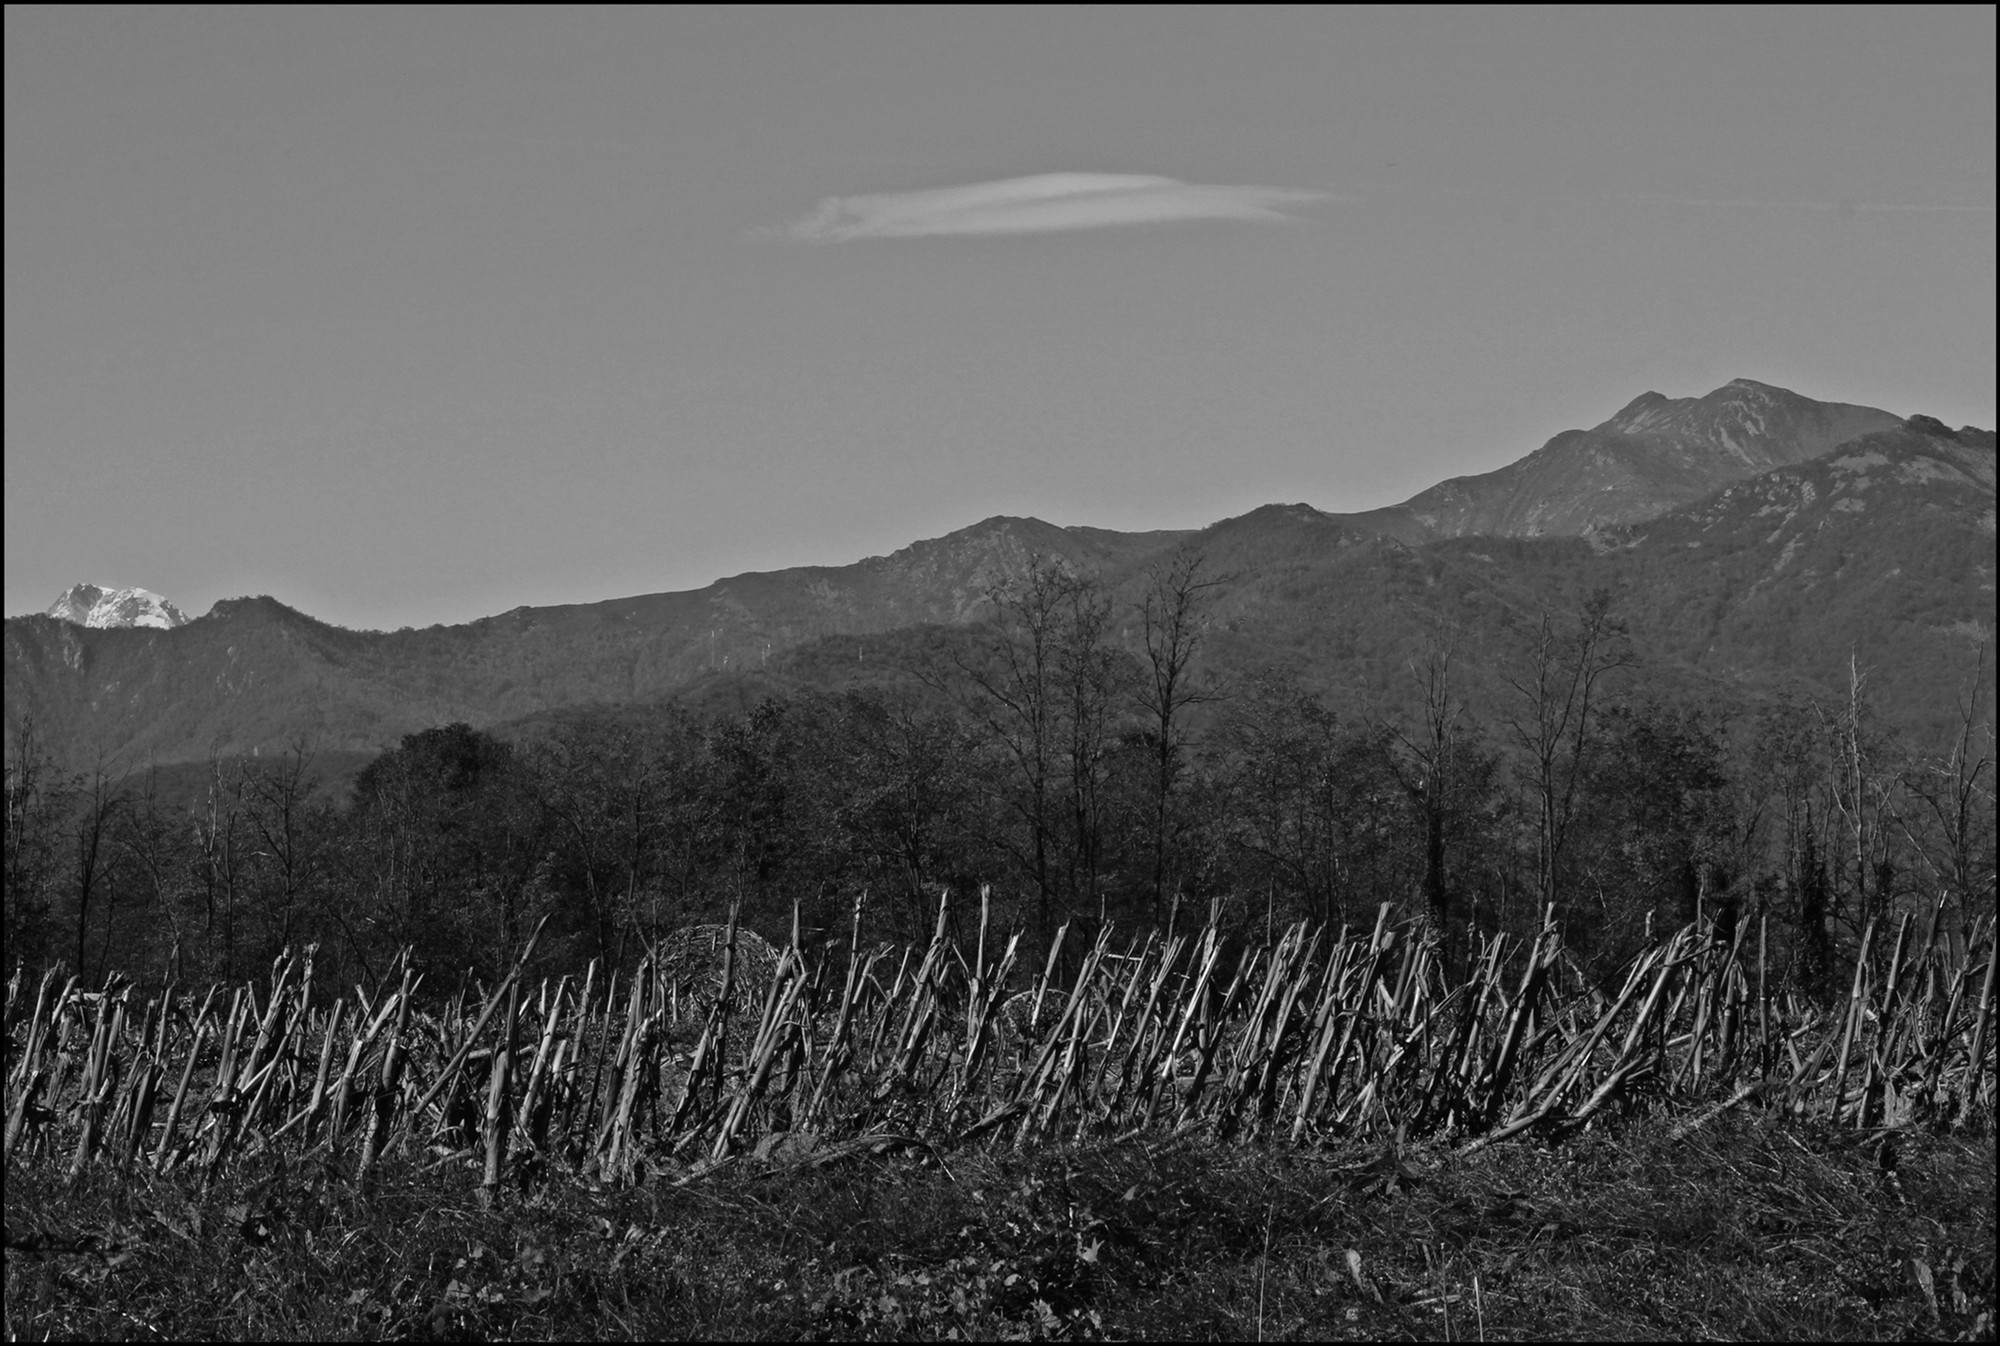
(780, 1052)
(1320, 1136)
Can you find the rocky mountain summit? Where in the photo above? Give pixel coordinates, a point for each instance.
(99, 608)
(1656, 454)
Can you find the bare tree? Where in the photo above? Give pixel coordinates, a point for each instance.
(1860, 792)
(1173, 626)
(95, 856)
(1007, 685)
(1091, 675)
(1787, 749)
(1950, 821)
(38, 800)
(1427, 765)
(219, 859)
(279, 804)
(1041, 683)
(149, 839)
(1559, 691)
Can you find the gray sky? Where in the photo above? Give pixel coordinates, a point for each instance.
(407, 316)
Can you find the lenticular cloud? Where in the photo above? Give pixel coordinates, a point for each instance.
(1042, 204)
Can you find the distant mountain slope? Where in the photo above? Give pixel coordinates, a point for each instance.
(254, 673)
(1884, 546)
(1656, 454)
(1884, 549)
(1890, 546)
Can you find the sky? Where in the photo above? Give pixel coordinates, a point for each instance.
(409, 316)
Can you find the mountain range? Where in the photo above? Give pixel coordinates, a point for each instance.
(1753, 538)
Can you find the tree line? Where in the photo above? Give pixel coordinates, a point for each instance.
(1078, 755)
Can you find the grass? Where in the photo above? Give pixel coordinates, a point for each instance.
(1748, 1227)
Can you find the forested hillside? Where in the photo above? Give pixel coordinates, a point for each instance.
(1086, 757)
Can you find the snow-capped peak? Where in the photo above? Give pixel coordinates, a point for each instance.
(94, 605)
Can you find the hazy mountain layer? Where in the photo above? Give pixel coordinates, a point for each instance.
(1884, 547)
(254, 673)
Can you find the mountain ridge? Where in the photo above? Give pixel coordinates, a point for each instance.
(254, 673)
(1654, 454)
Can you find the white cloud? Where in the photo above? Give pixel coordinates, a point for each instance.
(1041, 204)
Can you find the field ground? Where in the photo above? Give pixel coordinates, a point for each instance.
(1747, 1227)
